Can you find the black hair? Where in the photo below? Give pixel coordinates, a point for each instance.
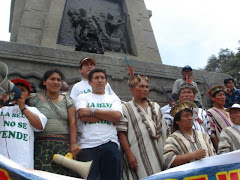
(29, 92)
(21, 84)
(177, 117)
(90, 75)
(47, 74)
(33, 87)
(228, 79)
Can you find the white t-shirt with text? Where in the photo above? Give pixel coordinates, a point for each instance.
(17, 134)
(96, 134)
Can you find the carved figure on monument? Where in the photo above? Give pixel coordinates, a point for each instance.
(114, 30)
(74, 18)
(95, 27)
(88, 38)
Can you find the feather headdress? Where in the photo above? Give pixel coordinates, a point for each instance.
(214, 90)
(130, 67)
(134, 78)
(181, 106)
(189, 80)
(188, 86)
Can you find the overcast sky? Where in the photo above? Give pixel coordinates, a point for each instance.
(189, 31)
(186, 31)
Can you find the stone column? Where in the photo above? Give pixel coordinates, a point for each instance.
(141, 34)
(53, 22)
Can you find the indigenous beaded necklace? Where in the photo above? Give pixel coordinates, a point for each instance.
(52, 98)
(157, 124)
(194, 135)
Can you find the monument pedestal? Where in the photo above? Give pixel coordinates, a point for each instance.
(44, 34)
(30, 62)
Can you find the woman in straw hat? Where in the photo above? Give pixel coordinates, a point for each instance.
(185, 144)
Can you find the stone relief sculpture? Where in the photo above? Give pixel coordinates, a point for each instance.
(114, 29)
(87, 31)
(94, 34)
(94, 29)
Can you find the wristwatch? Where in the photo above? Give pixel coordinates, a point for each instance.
(92, 112)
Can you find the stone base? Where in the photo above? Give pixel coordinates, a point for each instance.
(30, 62)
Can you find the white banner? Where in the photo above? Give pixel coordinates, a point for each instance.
(10, 170)
(220, 167)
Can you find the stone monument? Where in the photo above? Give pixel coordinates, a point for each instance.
(61, 24)
(58, 33)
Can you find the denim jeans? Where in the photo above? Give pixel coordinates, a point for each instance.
(106, 161)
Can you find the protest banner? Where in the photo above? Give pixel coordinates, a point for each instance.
(220, 167)
(10, 170)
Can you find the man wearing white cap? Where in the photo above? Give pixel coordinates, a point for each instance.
(86, 65)
(230, 136)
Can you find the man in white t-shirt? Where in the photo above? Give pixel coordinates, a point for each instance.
(99, 113)
(86, 65)
(17, 126)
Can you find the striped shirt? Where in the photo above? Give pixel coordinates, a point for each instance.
(229, 139)
(177, 144)
(202, 124)
(147, 150)
(219, 119)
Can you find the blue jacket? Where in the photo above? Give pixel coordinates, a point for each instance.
(234, 98)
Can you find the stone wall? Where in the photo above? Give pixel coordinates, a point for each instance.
(30, 62)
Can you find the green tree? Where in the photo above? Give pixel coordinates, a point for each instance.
(226, 62)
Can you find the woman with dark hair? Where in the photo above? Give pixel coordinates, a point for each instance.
(185, 144)
(59, 136)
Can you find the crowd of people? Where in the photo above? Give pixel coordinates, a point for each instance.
(126, 140)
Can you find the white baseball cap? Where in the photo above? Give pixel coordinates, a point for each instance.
(86, 59)
(235, 106)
